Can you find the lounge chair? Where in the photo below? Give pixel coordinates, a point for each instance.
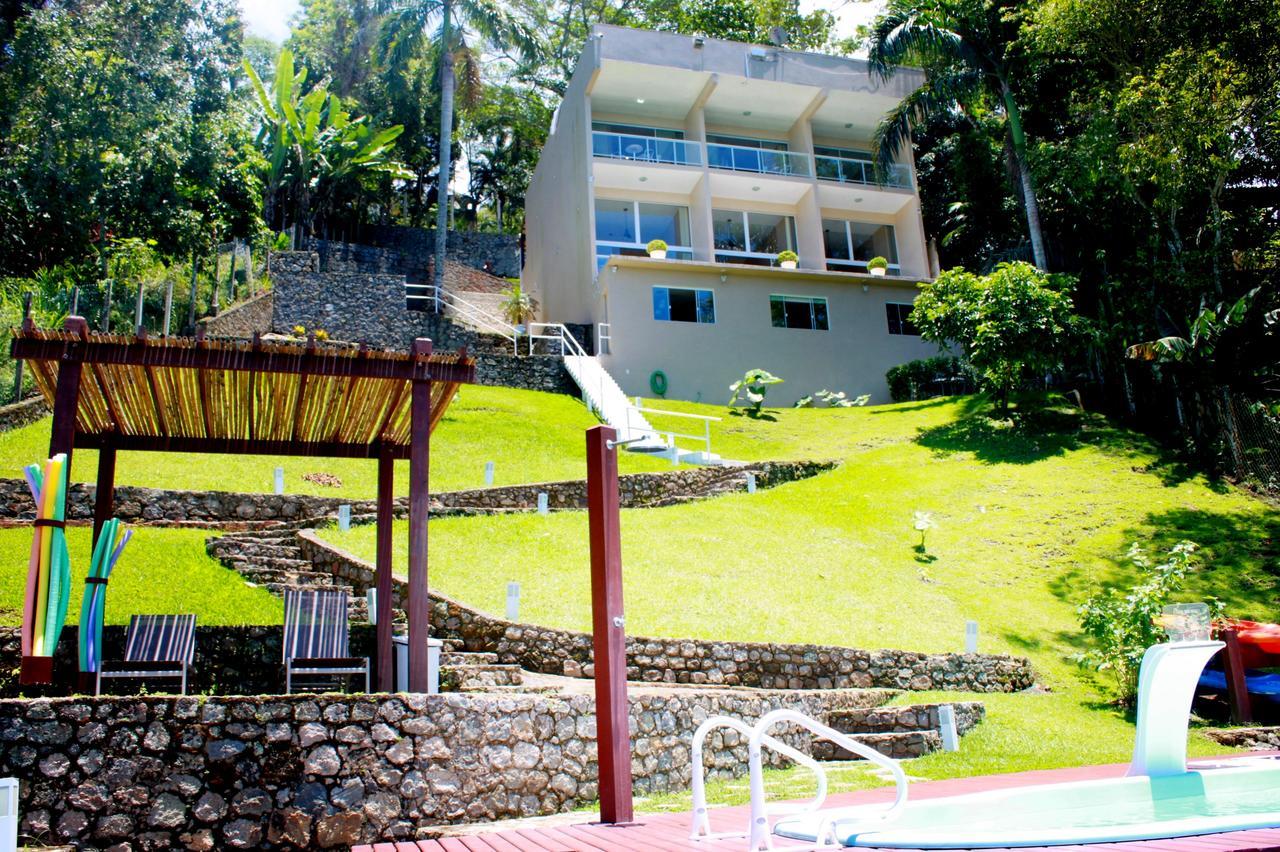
(155, 646)
(315, 637)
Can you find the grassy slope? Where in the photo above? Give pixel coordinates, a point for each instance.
(161, 571)
(1028, 523)
(531, 436)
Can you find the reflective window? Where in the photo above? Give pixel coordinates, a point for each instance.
(615, 221)
(674, 304)
(799, 312)
(666, 222)
(898, 315)
(753, 238)
(849, 245)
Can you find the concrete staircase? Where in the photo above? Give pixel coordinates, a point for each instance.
(603, 396)
(907, 731)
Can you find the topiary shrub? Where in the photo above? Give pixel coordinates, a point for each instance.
(914, 379)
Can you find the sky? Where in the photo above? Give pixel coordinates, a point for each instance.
(270, 18)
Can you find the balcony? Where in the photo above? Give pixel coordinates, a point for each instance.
(863, 172)
(765, 161)
(645, 149)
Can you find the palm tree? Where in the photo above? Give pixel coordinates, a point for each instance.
(964, 47)
(448, 24)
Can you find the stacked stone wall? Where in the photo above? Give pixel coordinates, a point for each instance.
(304, 772)
(135, 504)
(243, 320)
(691, 661)
(21, 413)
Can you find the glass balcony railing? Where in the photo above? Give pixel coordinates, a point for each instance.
(742, 158)
(846, 170)
(645, 149)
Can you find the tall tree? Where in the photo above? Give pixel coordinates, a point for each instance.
(966, 49)
(454, 25)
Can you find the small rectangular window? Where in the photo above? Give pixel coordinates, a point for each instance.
(799, 312)
(675, 304)
(899, 319)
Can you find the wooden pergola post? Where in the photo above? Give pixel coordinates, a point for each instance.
(382, 565)
(608, 627)
(419, 604)
(104, 493)
(1238, 700)
(66, 398)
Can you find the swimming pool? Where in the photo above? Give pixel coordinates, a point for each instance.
(1239, 795)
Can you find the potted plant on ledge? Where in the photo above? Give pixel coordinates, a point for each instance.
(657, 248)
(878, 265)
(787, 259)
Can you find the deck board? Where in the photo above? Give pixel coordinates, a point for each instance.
(669, 832)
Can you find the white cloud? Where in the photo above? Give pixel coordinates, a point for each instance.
(268, 18)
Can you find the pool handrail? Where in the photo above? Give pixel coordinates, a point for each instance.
(760, 837)
(701, 822)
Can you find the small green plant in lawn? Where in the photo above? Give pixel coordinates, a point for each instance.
(751, 389)
(839, 400)
(922, 522)
(1124, 623)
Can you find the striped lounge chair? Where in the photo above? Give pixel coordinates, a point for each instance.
(315, 637)
(155, 647)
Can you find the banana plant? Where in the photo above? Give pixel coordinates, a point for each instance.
(315, 148)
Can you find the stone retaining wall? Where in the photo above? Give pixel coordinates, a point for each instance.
(330, 771)
(242, 320)
(138, 505)
(21, 413)
(1254, 739)
(471, 248)
(692, 661)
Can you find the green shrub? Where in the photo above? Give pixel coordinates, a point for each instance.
(786, 255)
(910, 380)
(877, 263)
(656, 245)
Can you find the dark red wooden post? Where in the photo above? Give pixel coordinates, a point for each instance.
(104, 493)
(66, 397)
(609, 642)
(382, 563)
(1237, 690)
(419, 605)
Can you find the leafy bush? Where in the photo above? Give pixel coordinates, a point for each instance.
(786, 255)
(656, 245)
(1124, 623)
(910, 380)
(877, 263)
(751, 389)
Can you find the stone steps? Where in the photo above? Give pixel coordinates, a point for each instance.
(467, 658)
(457, 678)
(249, 563)
(254, 547)
(900, 745)
(910, 730)
(262, 576)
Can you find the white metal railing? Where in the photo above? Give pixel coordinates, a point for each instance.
(441, 299)
(701, 819)
(759, 834)
(848, 170)
(647, 149)
(768, 161)
(569, 345)
(704, 438)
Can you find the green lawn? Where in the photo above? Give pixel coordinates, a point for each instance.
(1030, 519)
(529, 435)
(160, 571)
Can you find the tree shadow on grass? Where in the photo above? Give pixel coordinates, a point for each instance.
(1239, 559)
(934, 402)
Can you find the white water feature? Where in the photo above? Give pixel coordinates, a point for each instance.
(1166, 687)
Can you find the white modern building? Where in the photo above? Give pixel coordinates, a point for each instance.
(730, 153)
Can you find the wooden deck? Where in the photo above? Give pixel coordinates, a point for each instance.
(669, 832)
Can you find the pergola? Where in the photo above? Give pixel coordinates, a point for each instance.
(192, 395)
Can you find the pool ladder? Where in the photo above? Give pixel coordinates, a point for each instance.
(758, 833)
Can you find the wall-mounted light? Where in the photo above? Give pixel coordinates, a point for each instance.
(723, 277)
(699, 41)
(639, 100)
(848, 125)
(755, 189)
(866, 289)
(746, 112)
(857, 200)
(643, 178)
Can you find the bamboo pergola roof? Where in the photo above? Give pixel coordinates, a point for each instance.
(194, 395)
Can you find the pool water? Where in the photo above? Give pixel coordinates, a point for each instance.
(1240, 796)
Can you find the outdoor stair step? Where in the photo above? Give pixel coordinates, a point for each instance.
(904, 718)
(280, 588)
(262, 535)
(453, 644)
(272, 575)
(244, 547)
(513, 689)
(238, 562)
(900, 745)
(457, 677)
(468, 658)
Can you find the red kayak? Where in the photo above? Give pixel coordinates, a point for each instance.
(1259, 643)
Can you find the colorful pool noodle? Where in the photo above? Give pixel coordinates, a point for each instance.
(110, 544)
(49, 570)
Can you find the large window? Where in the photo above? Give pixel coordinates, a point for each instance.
(849, 245)
(753, 238)
(675, 304)
(747, 154)
(626, 227)
(899, 315)
(799, 312)
(651, 144)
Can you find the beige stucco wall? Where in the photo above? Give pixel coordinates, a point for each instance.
(559, 222)
(702, 360)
